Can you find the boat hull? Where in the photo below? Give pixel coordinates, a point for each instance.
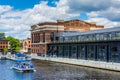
(24, 70)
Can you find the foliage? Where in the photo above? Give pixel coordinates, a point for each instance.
(17, 49)
(5, 49)
(14, 43)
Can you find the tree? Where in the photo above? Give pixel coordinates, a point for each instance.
(14, 43)
(5, 49)
(17, 49)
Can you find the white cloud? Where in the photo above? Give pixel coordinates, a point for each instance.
(104, 21)
(5, 8)
(17, 23)
(104, 8)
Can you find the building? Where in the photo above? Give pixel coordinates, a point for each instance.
(4, 44)
(26, 45)
(96, 45)
(44, 33)
(80, 26)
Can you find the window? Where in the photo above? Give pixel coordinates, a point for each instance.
(91, 52)
(81, 52)
(101, 36)
(101, 52)
(73, 51)
(52, 36)
(118, 35)
(114, 53)
(60, 51)
(66, 51)
(43, 36)
(97, 36)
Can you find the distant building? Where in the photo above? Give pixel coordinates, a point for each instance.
(44, 33)
(26, 45)
(4, 44)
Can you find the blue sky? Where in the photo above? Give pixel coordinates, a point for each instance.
(20, 4)
(16, 16)
(24, 4)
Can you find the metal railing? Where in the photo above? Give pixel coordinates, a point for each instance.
(88, 40)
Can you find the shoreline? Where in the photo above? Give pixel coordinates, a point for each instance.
(85, 63)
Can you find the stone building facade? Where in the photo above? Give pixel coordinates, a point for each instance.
(80, 26)
(45, 32)
(26, 45)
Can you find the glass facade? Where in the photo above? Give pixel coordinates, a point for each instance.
(91, 37)
(114, 53)
(97, 46)
(90, 52)
(101, 53)
(81, 52)
(60, 51)
(73, 51)
(107, 51)
(66, 51)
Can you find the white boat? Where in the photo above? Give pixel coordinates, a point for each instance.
(23, 66)
(21, 56)
(3, 57)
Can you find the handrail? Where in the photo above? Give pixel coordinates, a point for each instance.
(88, 40)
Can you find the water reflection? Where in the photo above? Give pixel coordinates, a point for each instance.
(6, 73)
(55, 71)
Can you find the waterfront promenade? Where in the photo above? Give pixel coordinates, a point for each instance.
(88, 63)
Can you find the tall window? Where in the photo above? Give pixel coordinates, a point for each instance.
(39, 37)
(66, 51)
(118, 35)
(114, 53)
(91, 52)
(73, 50)
(101, 52)
(81, 52)
(43, 36)
(60, 51)
(97, 36)
(52, 36)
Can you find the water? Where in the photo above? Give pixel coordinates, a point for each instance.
(55, 71)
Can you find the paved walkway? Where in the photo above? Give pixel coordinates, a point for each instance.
(88, 63)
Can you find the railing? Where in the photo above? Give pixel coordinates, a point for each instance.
(88, 40)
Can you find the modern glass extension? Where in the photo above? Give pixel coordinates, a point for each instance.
(97, 45)
(103, 51)
(93, 35)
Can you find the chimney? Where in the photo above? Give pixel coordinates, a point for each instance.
(60, 22)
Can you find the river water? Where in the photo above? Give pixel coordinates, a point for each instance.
(46, 70)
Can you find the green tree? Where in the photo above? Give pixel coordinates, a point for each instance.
(14, 43)
(17, 49)
(5, 49)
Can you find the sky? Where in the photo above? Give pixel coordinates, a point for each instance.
(17, 16)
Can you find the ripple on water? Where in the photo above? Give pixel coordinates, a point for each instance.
(55, 71)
